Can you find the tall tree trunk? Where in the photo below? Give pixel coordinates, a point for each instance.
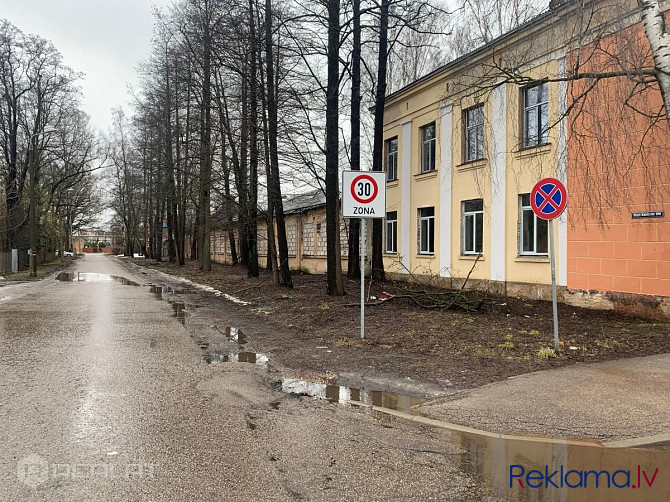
(354, 262)
(656, 30)
(179, 202)
(252, 268)
(334, 253)
(171, 195)
(271, 258)
(195, 231)
(274, 184)
(243, 194)
(378, 145)
(228, 199)
(205, 149)
(12, 195)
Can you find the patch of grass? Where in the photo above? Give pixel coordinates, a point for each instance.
(43, 270)
(325, 306)
(608, 343)
(343, 342)
(546, 353)
(506, 345)
(534, 332)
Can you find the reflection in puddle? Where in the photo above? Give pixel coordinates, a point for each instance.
(93, 277)
(178, 308)
(586, 467)
(342, 394)
(240, 357)
(236, 335)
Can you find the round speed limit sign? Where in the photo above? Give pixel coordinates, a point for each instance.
(363, 194)
(364, 189)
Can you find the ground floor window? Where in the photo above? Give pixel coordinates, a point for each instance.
(534, 236)
(392, 232)
(473, 226)
(427, 230)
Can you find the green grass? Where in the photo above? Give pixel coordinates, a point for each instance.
(546, 353)
(43, 270)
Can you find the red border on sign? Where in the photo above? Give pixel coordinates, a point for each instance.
(374, 184)
(564, 198)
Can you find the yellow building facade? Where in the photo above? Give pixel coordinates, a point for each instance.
(492, 142)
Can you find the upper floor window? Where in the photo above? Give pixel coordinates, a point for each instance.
(474, 133)
(535, 115)
(392, 232)
(428, 148)
(473, 226)
(427, 230)
(392, 159)
(534, 234)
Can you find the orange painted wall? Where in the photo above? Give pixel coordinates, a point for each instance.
(618, 163)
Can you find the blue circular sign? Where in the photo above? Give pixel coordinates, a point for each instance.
(548, 198)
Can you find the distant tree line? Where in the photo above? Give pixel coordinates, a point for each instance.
(45, 138)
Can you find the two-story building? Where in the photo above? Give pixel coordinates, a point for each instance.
(465, 144)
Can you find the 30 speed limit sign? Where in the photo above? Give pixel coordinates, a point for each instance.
(363, 194)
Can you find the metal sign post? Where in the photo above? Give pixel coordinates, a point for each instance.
(363, 197)
(548, 200)
(362, 230)
(554, 303)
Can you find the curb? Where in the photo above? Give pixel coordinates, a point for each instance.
(431, 422)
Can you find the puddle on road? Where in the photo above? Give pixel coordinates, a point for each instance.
(240, 357)
(159, 291)
(179, 308)
(236, 335)
(583, 471)
(342, 394)
(93, 277)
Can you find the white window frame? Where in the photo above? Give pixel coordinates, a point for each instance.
(522, 209)
(472, 214)
(540, 136)
(430, 240)
(470, 133)
(392, 159)
(429, 145)
(392, 227)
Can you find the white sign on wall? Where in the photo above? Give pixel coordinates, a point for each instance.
(363, 194)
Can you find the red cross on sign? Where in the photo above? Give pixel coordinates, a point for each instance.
(548, 198)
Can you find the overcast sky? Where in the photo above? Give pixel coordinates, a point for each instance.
(105, 39)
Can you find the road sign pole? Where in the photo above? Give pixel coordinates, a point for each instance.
(362, 228)
(553, 284)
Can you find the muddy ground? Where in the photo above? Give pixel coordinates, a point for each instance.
(315, 334)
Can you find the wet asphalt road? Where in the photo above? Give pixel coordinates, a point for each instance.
(104, 395)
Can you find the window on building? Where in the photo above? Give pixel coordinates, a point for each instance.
(318, 228)
(473, 226)
(427, 230)
(392, 159)
(534, 235)
(392, 232)
(474, 133)
(535, 115)
(428, 148)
